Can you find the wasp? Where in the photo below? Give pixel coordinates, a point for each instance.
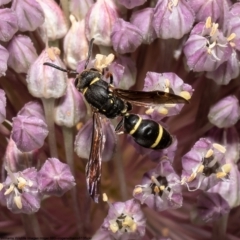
(113, 102)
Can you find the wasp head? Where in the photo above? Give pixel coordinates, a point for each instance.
(84, 79)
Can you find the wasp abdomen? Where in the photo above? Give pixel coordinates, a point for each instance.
(146, 132)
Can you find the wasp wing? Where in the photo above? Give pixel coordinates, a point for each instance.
(148, 99)
(94, 165)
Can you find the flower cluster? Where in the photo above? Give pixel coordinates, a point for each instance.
(185, 52)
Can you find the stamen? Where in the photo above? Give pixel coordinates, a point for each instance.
(52, 52)
(21, 183)
(149, 111)
(154, 180)
(137, 190)
(209, 153)
(219, 147)
(167, 83)
(18, 202)
(103, 61)
(208, 23)
(214, 29)
(114, 227)
(156, 190)
(130, 223)
(163, 111)
(231, 37)
(9, 190)
(1, 186)
(185, 95)
(226, 168)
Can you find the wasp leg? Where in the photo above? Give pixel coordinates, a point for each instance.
(119, 126)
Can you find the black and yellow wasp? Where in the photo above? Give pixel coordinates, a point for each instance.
(114, 102)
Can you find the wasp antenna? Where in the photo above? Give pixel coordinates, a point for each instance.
(59, 68)
(89, 53)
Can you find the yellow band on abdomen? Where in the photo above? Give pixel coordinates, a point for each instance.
(159, 137)
(136, 126)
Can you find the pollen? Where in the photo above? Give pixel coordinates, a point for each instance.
(170, 105)
(1, 186)
(52, 52)
(103, 61)
(185, 95)
(18, 202)
(219, 147)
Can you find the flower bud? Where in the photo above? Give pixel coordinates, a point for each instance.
(125, 37)
(18, 45)
(55, 24)
(29, 13)
(2, 106)
(99, 22)
(4, 55)
(75, 50)
(45, 81)
(225, 113)
(8, 24)
(34, 109)
(79, 9)
(172, 19)
(146, 26)
(70, 108)
(29, 132)
(131, 3)
(55, 178)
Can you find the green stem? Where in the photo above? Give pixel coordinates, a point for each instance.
(65, 8)
(48, 105)
(31, 225)
(68, 144)
(220, 228)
